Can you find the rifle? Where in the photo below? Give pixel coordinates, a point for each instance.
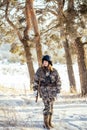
(38, 92)
(36, 97)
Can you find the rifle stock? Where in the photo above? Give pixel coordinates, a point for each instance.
(38, 91)
(36, 97)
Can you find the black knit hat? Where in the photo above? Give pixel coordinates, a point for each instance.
(47, 58)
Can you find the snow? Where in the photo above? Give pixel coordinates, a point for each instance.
(18, 110)
(39, 4)
(22, 113)
(12, 11)
(62, 69)
(15, 75)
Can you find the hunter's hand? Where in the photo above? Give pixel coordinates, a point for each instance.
(59, 97)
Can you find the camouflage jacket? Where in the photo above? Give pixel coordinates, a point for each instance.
(48, 82)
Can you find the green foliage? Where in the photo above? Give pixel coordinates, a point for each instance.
(54, 37)
(14, 48)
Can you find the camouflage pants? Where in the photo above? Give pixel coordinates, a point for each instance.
(48, 106)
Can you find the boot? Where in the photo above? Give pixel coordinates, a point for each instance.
(46, 122)
(50, 119)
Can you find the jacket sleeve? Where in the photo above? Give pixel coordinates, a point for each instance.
(58, 82)
(36, 80)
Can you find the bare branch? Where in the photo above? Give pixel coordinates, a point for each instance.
(79, 39)
(53, 12)
(84, 43)
(50, 29)
(10, 22)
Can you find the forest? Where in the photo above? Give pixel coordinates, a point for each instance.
(55, 24)
(30, 29)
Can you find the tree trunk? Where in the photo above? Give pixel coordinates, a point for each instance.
(69, 67)
(29, 60)
(25, 38)
(81, 65)
(61, 17)
(24, 41)
(70, 5)
(39, 50)
(36, 31)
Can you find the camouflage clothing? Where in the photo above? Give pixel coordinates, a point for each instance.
(49, 84)
(48, 106)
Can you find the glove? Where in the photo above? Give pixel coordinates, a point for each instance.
(59, 96)
(35, 93)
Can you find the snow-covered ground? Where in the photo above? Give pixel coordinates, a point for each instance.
(18, 110)
(22, 113)
(16, 76)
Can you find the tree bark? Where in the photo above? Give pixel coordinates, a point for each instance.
(62, 19)
(36, 31)
(29, 60)
(61, 15)
(81, 66)
(69, 67)
(70, 5)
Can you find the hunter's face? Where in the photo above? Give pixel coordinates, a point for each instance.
(45, 63)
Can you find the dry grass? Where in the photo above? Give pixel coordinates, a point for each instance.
(13, 91)
(10, 116)
(18, 114)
